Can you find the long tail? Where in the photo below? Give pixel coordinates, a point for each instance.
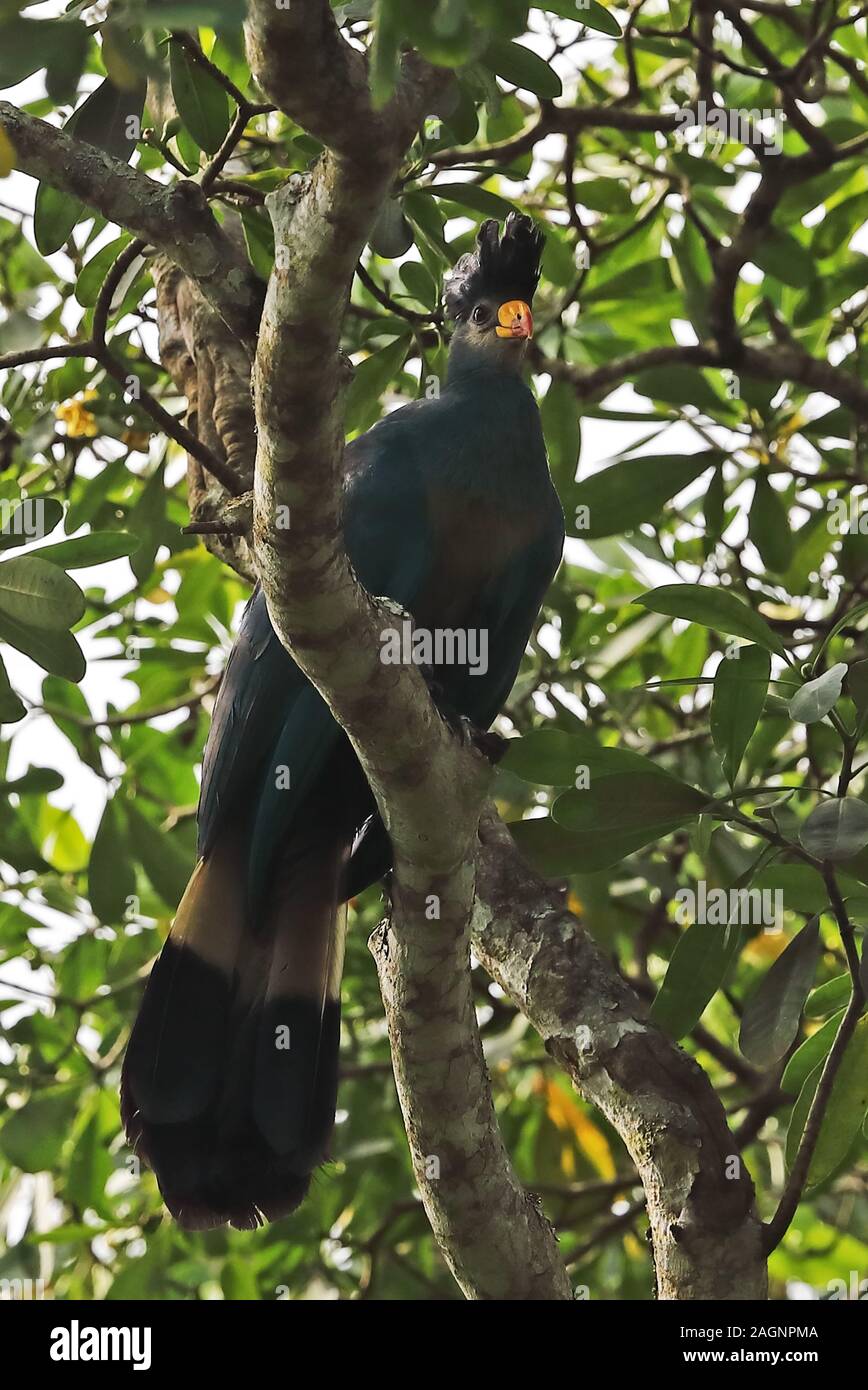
(230, 1078)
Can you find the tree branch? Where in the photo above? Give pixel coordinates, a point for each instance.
(778, 363)
(706, 1236)
(413, 762)
(303, 64)
(174, 218)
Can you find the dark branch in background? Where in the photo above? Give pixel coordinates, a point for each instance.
(117, 721)
(387, 302)
(175, 219)
(97, 348)
(777, 1228)
(246, 109)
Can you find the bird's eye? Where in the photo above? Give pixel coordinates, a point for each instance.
(480, 314)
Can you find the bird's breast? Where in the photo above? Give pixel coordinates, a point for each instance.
(474, 540)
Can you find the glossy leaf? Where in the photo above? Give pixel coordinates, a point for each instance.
(740, 686)
(817, 696)
(836, 829)
(714, 608)
(202, 103)
(697, 969)
(635, 490)
(771, 1016)
(37, 594)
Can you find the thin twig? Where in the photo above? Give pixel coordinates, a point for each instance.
(776, 1229)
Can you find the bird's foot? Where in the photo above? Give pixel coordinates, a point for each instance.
(469, 735)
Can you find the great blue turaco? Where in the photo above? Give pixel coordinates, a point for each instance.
(230, 1079)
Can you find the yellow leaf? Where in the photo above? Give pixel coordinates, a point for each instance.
(766, 947)
(568, 1116)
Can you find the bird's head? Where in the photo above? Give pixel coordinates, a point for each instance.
(490, 291)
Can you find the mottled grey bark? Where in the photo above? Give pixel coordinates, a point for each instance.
(706, 1236)
(174, 218)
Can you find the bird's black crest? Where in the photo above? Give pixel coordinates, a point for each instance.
(501, 267)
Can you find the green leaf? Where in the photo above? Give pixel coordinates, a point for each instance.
(817, 696)
(845, 1111)
(392, 235)
(825, 998)
(33, 1136)
(741, 683)
(65, 68)
(39, 595)
(714, 608)
(836, 829)
(780, 255)
(259, 240)
(54, 216)
(619, 498)
(680, 386)
(166, 865)
(523, 68)
(857, 686)
(420, 283)
(238, 1280)
(769, 526)
(714, 507)
(812, 1052)
(697, 969)
(82, 967)
(103, 119)
(384, 52)
(552, 850)
(202, 103)
(110, 876)
(771, 1017)
(36, 781)
(555, 758)
(94, 271)
(11, 708)
(31, 520)
(586, 12)
(647, 802)
(95, 549)
(848, 619)
(563, 437)
(470, 195)
(56, 652)
(90, 1164)
(26, 45)
(370, 380)
(187, 14)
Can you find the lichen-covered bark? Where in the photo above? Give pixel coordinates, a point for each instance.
(212, 371)
(493, 1234)
(174, 218)
(706, 1236)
